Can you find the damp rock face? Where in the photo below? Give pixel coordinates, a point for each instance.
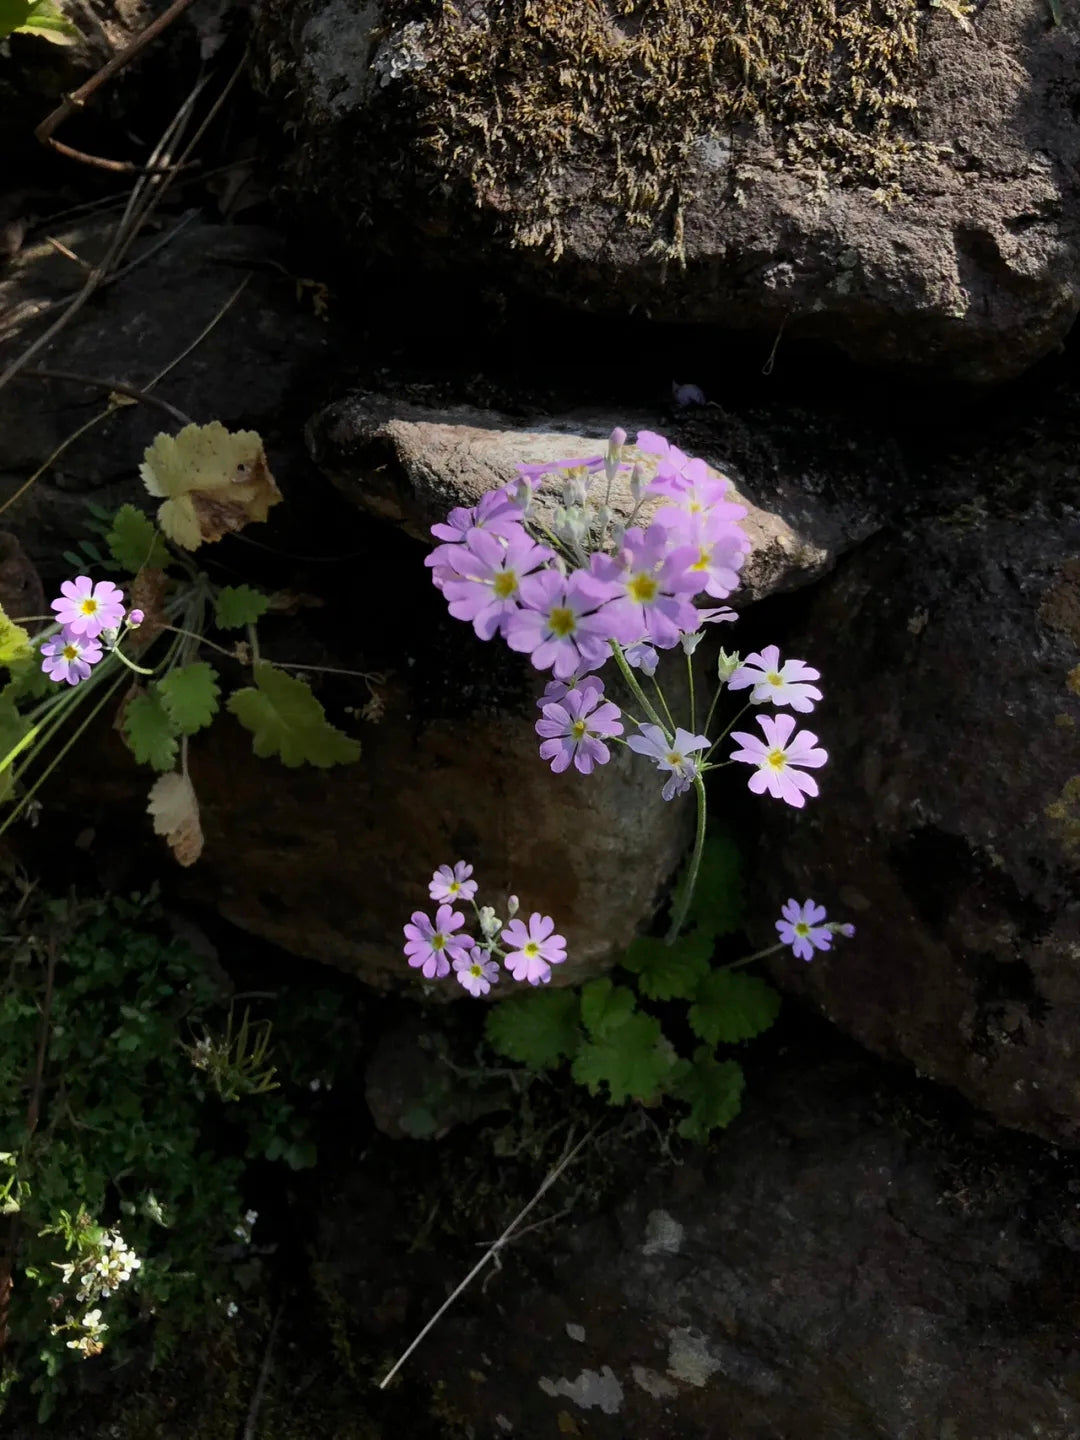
(899, 180)
(948, 827)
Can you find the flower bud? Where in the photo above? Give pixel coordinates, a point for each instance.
(727, 665)
(512, 906)
(490, 924)
(135, 619)
(690, 640)
(637, 482)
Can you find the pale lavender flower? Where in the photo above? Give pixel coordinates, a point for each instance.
(574, 729)
(801, 927)
(450, 886)
(669, 457)
(777, 684)
(779, 757)
(642, 656)
(719, 551)
(563, 623)
(674, 756)
(653, 588)
(431, 947)
(476, 971)
(497, 511)
(69, 657)
(86, 609)
(533, 948)
(488, 575)
(582, 469)
(556, 690)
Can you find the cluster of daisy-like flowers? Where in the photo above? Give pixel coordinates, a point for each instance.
(91, 617)
(435, 947)
(100, 1273)
(582, 586)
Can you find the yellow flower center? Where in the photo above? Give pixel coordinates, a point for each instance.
(438, 940)
(453, 887)
(506, 584)
(562, 621)
(674, 758)
(477, 970)
(802, 928)
(774, 678)
(578, 729)
(71, 652)
(89, 606)
(643, 588)
(702, 562)
(531, 949)
(777, 759)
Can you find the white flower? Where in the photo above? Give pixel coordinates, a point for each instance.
(675, 756)
(776, 684)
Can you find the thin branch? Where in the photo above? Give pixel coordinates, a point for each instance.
(250, 1430)
(549, 1180)
(118, 387)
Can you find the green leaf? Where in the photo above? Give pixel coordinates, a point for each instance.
(135, 542)
(14, 641)
(239, 605)
(38, 17)
(150, 732)
(732, 1007)
(713, 1090)
(537, 1030)
(604, 1007)
(190, 696)
(287, 721)
(13, 727)
(28, 680)
(634, 1061)
(670, 972)
(717, 906)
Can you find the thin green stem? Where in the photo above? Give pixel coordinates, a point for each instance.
(757, 955)
(663, 702)
(728, 728)
(683, 905)
(693, 705)
(638, 693)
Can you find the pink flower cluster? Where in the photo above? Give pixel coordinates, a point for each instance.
(435, 946)
(85, 612)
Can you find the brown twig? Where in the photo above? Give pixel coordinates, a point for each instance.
(118, 387)
(78, 98)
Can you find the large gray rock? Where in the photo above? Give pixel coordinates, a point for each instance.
(901, 181)
(947, 823)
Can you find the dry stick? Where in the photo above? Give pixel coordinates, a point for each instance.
(119, 387)
(264, 1375)
(494, 1249)
(78, 98)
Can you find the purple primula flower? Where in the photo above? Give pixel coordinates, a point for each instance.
(583, 468)
(675, 756)
(489, 571)
(430, 948)
(69, 657)
(533, 949)
(86, 609)
(452, 885)
(563, 623)
(571, 730)
(653, 588)
(719, 551)
(777, 684)
(642, 656)
(779, 757)
(556, 690)
(476, 971)
(498, 511)
(801, 927)
(669, 457)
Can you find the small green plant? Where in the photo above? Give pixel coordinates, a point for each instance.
(148, 656)
(122, 1170)
(615, 1042)
(37, 17)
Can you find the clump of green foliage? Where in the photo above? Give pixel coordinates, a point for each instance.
(528, 98)
(616, 1043)
(132, 1096)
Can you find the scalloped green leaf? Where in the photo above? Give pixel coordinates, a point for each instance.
(190, 696)
(135, 542)
(712, 1088)
(239, 605)
(604, 1007)
(538, 1029)
(731, 1007)
(288, 722)
(633, 1062)
(150, 733)
(670, 972)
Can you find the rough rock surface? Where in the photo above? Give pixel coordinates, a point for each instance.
(852, 1262)
(903, 182)
(410, 464)
(949, 818)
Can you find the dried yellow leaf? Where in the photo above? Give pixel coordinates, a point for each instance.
(212, 482)
(175, 810)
